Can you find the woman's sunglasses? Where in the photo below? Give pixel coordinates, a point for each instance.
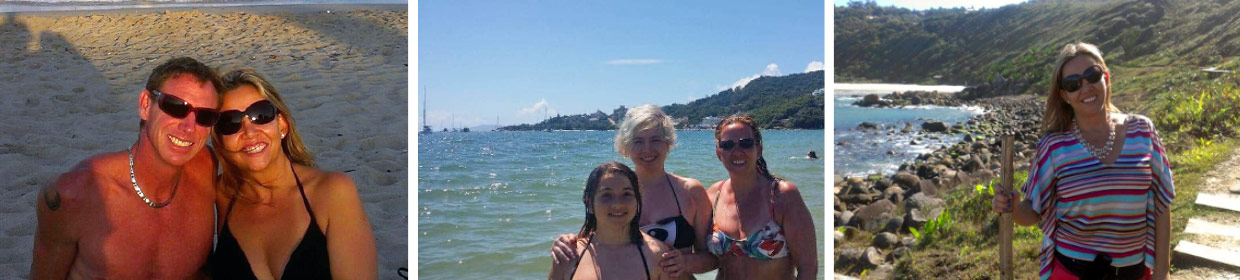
(1073, 83)
(261, 112)
(727, 145)
(179, 108)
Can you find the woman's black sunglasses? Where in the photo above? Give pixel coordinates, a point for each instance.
(261, 112)
(1073, 83)
(179, 108)
(727, 145)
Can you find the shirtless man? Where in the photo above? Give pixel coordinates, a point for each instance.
(95, 223)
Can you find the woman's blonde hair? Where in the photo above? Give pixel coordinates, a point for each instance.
(640, 118)
(1059, 114)
(291, 144)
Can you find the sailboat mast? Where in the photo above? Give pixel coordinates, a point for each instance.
(424, 93)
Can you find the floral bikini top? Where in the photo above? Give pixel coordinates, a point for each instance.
(765, 244)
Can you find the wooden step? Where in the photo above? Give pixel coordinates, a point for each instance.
(845, 277)
(1208, 228)
(1222, 256)
(1221, 201)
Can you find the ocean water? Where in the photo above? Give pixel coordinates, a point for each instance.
(490, 203)
(871, 152)
(95, 5)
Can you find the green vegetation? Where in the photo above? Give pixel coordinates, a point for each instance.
(794, 101)
(962, 243)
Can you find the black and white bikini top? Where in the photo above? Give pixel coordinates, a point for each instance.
(674, 231)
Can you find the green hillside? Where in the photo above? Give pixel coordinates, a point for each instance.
(888, 44)
(793, 101)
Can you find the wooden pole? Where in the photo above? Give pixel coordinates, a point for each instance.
(1005, 218)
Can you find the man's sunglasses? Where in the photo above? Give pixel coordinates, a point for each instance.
(1073, 83)
(261, 112)
(727, 145)
(179, 108)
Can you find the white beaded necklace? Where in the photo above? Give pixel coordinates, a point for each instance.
(1100, 153)
(134, 179)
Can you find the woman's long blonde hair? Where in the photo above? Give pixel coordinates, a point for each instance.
(1059, 114)
(292, 144)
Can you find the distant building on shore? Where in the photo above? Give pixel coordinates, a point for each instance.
(708, 122)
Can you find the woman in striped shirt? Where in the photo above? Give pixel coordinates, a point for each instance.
(1101, 201)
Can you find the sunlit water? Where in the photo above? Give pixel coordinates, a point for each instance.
(874, 151)
(490, 203)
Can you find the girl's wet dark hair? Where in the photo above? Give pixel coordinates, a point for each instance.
(592, 184)
(757, 138)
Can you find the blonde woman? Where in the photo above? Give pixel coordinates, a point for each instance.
(280, 217)
(676, 211)
(1099, 186)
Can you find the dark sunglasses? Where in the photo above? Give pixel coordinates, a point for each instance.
(261, 112)
(179, 108)
(727, 145)
(1073, 83)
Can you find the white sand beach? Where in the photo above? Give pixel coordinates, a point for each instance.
(69, 83)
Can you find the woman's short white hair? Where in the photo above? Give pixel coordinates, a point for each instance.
(640, 118)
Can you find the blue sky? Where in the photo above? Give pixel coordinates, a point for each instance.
(509, 60)
(922, 5)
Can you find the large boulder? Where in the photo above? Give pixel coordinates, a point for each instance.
(906, 180)
(870, 100)
(870, 217)
(867, 126)
(934, 126)
(929, 188)
(922, 201)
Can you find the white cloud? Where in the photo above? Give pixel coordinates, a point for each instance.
(632, 61)
(771, 70)
(537, 109)
(814, 66)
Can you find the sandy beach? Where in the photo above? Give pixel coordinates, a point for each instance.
(69, 83)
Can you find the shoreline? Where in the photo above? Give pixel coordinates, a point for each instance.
(887, 205)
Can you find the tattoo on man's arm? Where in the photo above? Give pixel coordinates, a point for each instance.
(52, 198)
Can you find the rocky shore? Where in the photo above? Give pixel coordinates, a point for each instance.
(886, 206)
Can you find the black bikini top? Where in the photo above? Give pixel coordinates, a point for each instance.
(308, 261)
(674, 231)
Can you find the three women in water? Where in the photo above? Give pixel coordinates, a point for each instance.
(752, 225)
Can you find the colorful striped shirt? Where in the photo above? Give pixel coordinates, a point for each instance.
(1089, 208)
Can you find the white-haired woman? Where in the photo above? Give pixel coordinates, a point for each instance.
(676, 209)
(1099, 186)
